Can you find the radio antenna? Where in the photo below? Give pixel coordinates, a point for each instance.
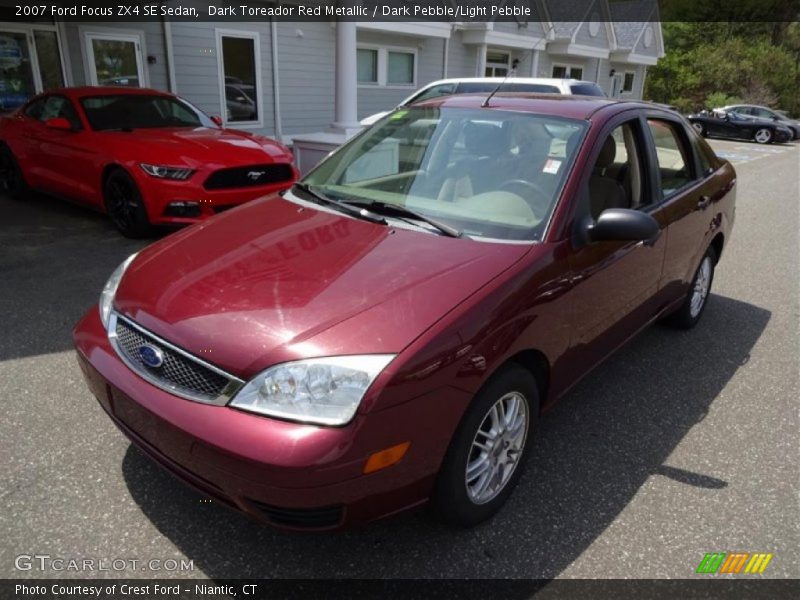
(495, 90)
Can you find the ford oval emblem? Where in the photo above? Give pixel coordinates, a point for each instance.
(151, 356)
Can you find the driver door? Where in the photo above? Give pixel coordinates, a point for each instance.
(616, 283)
(63, 156)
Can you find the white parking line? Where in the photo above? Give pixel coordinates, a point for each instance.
(742, 153)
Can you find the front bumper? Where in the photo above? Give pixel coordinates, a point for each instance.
(285, 474)
(160, 194)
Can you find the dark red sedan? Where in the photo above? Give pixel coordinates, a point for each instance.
(142, 156)
(387, 333)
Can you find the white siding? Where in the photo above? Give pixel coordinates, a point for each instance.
(430, 63)
(306, 67)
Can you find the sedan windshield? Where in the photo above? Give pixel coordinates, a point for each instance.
(141, 111)
(483, 172)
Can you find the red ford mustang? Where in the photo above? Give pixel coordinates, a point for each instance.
(387, 332)
(144, 157)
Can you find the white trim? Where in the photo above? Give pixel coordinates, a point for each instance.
(383, 67)
(63, 48)
(569, 49)
(500, 38)
(220, 33)
(634, 59)
(136, 36)
(169, 55)
(434, 30)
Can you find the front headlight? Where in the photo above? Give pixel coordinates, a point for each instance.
(326, 391)
(162, 172)
(110, 290)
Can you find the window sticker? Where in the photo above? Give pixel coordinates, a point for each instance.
(551, 166)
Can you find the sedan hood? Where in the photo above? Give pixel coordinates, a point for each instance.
(198, 146)
(272, 281)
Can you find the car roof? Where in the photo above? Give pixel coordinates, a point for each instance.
(109, 90)
(550, 80)
(574, 107)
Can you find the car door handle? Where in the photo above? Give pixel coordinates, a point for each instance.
(703, 203)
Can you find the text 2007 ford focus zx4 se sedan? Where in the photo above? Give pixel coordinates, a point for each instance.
(386, 333)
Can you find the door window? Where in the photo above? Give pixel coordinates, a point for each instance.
(673, 154)
(51, 107)
(498, 64)
(240, 70)
(115, 60)
(618, 175)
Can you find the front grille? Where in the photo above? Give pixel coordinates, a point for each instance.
(311, 518)
(179, 373)
(242, 177)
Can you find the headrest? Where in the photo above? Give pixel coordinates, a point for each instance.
(485, 139)
(607, 153)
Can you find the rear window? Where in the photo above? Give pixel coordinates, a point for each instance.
(473, 87)
(586, 89)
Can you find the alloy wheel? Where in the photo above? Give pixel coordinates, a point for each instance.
(701, 286)
(497, 447)
(121, 204)
(763, 136)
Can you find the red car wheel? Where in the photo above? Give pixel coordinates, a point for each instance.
(12, 181)
(124, 205)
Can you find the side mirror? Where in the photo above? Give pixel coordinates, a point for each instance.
(217, 120)
(624, 225)
(59, 123)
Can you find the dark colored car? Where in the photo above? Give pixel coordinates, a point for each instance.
(723, 124)
(387, 333)
(239, 105)
(764, 112)
(142, 156)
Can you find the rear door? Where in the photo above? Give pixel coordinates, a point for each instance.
(688, 194)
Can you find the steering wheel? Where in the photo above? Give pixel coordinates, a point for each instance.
(538, 201)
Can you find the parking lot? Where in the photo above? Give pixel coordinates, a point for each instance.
(681, 444)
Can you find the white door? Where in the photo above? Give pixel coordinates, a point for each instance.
(616, 85)
(115, 59)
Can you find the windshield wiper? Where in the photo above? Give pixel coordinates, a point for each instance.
(320, 198)
(402, 211)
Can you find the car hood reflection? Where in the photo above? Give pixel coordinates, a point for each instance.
(273, 281)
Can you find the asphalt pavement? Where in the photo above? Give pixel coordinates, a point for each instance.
(680, 444)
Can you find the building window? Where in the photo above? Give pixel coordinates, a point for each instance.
(567, 72)
(498, 64)
(386, 66)
(627, 85)
(241, 76)
(400, 68)
(367, 65)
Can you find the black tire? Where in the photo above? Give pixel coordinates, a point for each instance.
(764, 135)
(452, 500)
(700, 128)
(124, 205)
(12, 181)
(688, 316)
